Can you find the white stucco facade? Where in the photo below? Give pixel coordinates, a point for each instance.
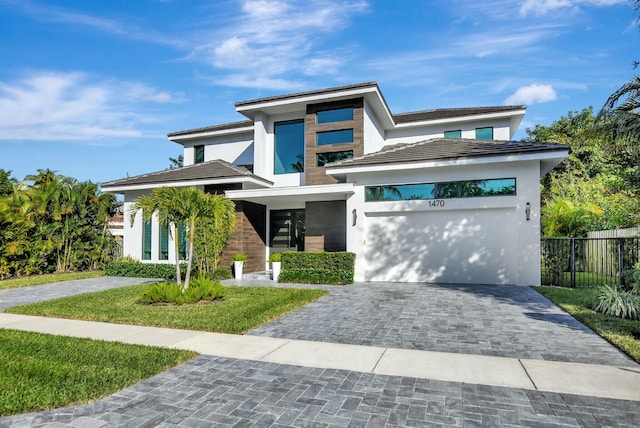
(488, 239)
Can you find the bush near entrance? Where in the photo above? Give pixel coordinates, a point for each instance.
(318, 268)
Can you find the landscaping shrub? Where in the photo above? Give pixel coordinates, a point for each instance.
(275, 257)
(137, 269)
(318, 268)
(219, 274)
(617, 303)
(201, 289)
(631, 279)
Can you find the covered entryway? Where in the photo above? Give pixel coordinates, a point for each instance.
(454, 246)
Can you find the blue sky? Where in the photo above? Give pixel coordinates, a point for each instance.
(91, 88)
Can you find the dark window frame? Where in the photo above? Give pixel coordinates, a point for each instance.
(198, 153)
(484, 128)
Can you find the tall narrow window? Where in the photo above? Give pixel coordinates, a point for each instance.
(198, 156)
(484, 133)
(146, 241)
(453, 134)
(289, 147)
(164, 243)
(182, 241)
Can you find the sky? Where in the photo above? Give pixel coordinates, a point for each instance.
(90, 89)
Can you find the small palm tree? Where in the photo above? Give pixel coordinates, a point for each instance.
(178, 205)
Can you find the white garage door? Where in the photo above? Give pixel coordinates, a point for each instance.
(463, 247)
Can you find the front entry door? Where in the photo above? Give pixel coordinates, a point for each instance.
(286, 230)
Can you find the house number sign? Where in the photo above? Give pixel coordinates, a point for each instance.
(436, 203)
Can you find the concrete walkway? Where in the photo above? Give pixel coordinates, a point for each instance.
(558, 377)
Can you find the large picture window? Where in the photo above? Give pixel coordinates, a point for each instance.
(442, 190)
(289, 147)
(334, 137)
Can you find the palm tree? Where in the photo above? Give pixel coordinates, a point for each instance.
(176, 205)
(620, 116)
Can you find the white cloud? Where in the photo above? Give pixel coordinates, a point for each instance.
(542, 7)
(73, 106)
(532, 94)
(278, 41)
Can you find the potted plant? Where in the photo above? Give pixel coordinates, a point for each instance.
(276, 264)
(238, 264)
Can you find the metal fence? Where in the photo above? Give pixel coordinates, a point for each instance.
(587, 262)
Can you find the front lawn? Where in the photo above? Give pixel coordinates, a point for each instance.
(41, 371)
(49, 278)
(623, 333)
(241, 310)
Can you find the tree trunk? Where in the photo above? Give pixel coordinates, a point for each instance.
(176, 241)
(187, 277)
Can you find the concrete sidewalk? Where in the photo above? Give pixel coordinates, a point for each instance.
(550, 376)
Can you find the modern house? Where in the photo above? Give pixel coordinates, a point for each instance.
(431, 196)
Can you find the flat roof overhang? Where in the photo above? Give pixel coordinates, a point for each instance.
(248, 181)
(277, 195)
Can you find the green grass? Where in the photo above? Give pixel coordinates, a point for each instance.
(49, 278)
(41, 371)
(620, 332)
(241, 310)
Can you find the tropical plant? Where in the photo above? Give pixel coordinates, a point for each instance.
(562, 217)
(275, 257)
(201, 289)
(614, 302)
(176, 205)
(240, 257)
(177, 162)
(53, 223)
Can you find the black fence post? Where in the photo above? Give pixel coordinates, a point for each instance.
(621, 260)
(572, 262)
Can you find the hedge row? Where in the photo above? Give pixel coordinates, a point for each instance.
(143, 270)
(318, 268)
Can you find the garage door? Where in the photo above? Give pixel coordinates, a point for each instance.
(461, 246)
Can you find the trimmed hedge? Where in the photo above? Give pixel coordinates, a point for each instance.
(318, 268)
(136, 269)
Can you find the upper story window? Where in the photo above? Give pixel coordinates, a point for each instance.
(335, 115)
(334, 137)
(484, 133)
(198, 156)
(289, 147)
(324, 158)
(453, 134)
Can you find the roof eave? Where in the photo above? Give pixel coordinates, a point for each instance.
(546, 155)
(466, 118)
(119, 188)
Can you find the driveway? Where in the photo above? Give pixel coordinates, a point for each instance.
(494, 320)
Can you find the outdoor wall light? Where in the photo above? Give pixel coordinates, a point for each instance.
(354, 216)
(527, 211)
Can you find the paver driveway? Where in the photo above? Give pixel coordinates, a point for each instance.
(495, 320)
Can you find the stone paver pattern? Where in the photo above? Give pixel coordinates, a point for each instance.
(23, 295)
(216, 391)
(494, 320)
